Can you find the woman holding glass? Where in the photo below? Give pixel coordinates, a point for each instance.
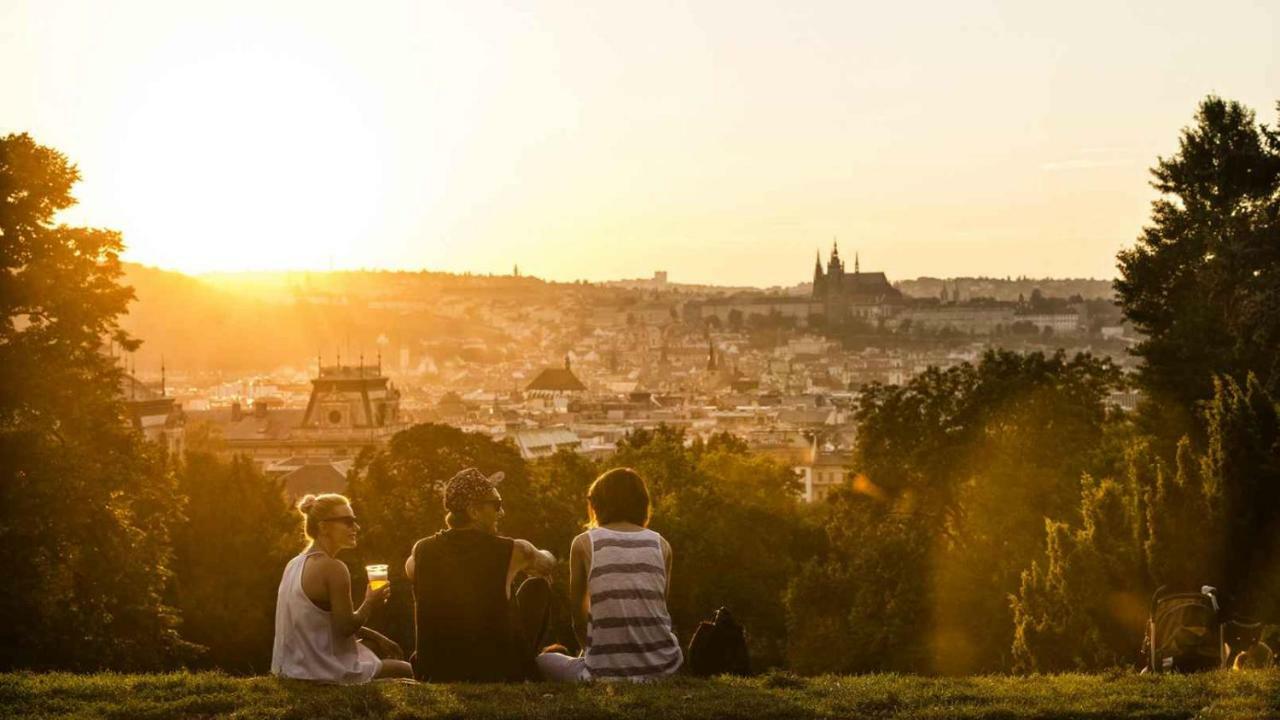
(316, 627)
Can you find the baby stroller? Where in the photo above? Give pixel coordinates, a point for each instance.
(1185, 632)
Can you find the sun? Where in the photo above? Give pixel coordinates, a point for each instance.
(249, 160)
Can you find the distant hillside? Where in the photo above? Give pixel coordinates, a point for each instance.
(245, 322)
(1008, 288)
(200, 326)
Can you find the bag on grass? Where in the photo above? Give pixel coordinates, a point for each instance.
(719, 647)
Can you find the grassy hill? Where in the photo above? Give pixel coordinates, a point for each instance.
(159, 697)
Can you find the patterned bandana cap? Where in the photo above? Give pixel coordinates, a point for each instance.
(467, 487)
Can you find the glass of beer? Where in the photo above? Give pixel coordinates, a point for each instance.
(377, 576)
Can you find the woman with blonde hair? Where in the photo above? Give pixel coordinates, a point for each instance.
(316, 628)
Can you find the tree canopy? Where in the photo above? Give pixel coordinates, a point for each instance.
(86, 506)
(1203, 281)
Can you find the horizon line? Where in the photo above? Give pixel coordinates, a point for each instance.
(1007, 277)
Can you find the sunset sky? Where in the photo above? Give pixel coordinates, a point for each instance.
(721, 141)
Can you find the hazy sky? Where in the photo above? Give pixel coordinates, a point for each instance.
(721, 141)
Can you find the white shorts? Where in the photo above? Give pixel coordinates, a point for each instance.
(558, 667)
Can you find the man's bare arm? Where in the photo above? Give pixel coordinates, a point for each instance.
(532, 560)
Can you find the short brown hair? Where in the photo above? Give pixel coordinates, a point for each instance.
(618, 495)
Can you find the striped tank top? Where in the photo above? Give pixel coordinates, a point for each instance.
(629, 633)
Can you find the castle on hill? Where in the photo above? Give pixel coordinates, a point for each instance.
(844, 294)
(838, 298)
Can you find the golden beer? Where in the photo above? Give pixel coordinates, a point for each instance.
(377, 576)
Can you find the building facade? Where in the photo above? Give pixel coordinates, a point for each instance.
(852, 296)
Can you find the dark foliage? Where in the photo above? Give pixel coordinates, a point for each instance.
(85, 506)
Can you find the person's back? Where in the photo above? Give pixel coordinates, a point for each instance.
(619, 572)
(629, 629)
(462, 611)
(316, 628)
(305, 645)
(469, 627)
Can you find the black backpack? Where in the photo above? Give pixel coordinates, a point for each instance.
(719, 647)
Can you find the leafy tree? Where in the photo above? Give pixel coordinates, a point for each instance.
(85, 505)
(1241, 470)
(229, 553)
(558, 499)
(1214, 520)
(980, 455)
(1201, 283)
(1083, 607)
(865, 604)
(557, 512)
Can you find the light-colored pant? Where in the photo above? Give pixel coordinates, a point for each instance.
(558, 667)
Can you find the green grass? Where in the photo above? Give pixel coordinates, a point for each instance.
(205, 695)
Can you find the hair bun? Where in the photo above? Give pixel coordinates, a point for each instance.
(306, 503)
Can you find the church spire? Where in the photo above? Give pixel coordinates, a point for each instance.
(818, 288)
(835, 267)
(855, 263)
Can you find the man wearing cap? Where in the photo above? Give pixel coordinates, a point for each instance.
(469, 627)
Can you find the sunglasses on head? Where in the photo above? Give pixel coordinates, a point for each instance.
(348, 520)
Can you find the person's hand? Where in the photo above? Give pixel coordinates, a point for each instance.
(377, 597)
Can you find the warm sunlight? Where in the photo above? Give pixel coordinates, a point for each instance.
(612, 141)
(708, 359)
(261, 155)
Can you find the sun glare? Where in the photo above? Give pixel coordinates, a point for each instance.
(246, 157)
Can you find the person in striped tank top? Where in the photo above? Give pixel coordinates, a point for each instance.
(619, 572)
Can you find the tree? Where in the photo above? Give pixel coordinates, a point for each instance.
(1201, 282)
(229, 554)
(1214, 520)
(86, 506)
(980, 455)
(864, 604)
(1083, 606)
(1241, 470)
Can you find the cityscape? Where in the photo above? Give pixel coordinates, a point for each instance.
(578, 366)
(694, 359)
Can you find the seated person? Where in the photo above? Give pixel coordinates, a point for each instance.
(469, 627)
(618, 588)
(316, 629)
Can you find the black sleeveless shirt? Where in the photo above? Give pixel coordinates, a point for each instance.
(461, 610)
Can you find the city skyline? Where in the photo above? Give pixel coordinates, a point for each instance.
(606, 143)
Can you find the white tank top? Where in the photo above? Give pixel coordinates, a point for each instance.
(629, 630)
(305, 645)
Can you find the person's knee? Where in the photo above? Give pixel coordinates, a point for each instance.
(395, 669)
